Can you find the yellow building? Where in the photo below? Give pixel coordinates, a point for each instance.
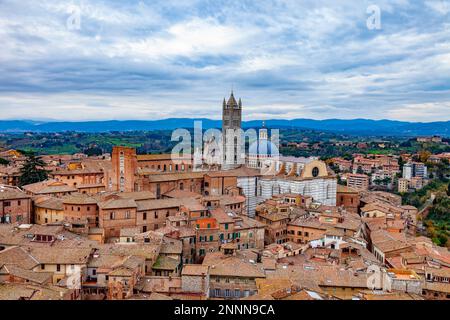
(48, 210)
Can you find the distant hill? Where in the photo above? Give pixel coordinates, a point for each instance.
(355, 127)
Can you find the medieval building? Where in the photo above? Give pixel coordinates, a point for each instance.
(233, 155)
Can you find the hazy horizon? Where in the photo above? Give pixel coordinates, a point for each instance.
(217, 119)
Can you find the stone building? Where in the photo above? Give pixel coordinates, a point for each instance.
(309, 177)
(231, 133)
(195, 279)
(232, 274)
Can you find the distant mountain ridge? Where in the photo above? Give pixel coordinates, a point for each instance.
(355, 126)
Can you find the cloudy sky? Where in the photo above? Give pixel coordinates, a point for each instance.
(123, 59)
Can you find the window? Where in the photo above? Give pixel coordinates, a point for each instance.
(156, 215)
(19, 202)
(112, 215)
(227, 293)
(211, 238)
(58, 267)
(127, 215)
(144, 216)
(315, 172)
(237, 293)
(217, 292)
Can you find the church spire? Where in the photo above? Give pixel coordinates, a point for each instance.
(232, 101)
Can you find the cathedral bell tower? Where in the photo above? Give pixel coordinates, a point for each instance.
(231, 123)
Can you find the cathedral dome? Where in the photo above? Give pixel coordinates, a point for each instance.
(263, 147)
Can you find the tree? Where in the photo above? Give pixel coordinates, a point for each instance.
(424, 155)
(4, 162)
(33, 170)
(93, 151)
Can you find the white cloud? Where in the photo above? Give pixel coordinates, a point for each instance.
(439, 6)
(424, 112)
(169, 58)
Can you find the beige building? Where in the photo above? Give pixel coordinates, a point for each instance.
(358, 181)
(403, 185)
(48, 210)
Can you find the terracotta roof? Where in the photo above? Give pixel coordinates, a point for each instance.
(19, 257)
(49, 203)
(176, 193)
(158, 204)
(221, 216)
(345, 189)
(118, 203)
(13, 194)
(36, 277)
(50, 255)
(309, 223)
(79, 198)
(129, 232)
(48, 186)
(387, 242)
(171, 246)
(105, 261)
(147, 250)
(16, 291)
(167, 156)
(166, 263)
(174, 176)
(121, 272)
(138, 195)
(239, 172)
(232, 266)
(194, 270)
